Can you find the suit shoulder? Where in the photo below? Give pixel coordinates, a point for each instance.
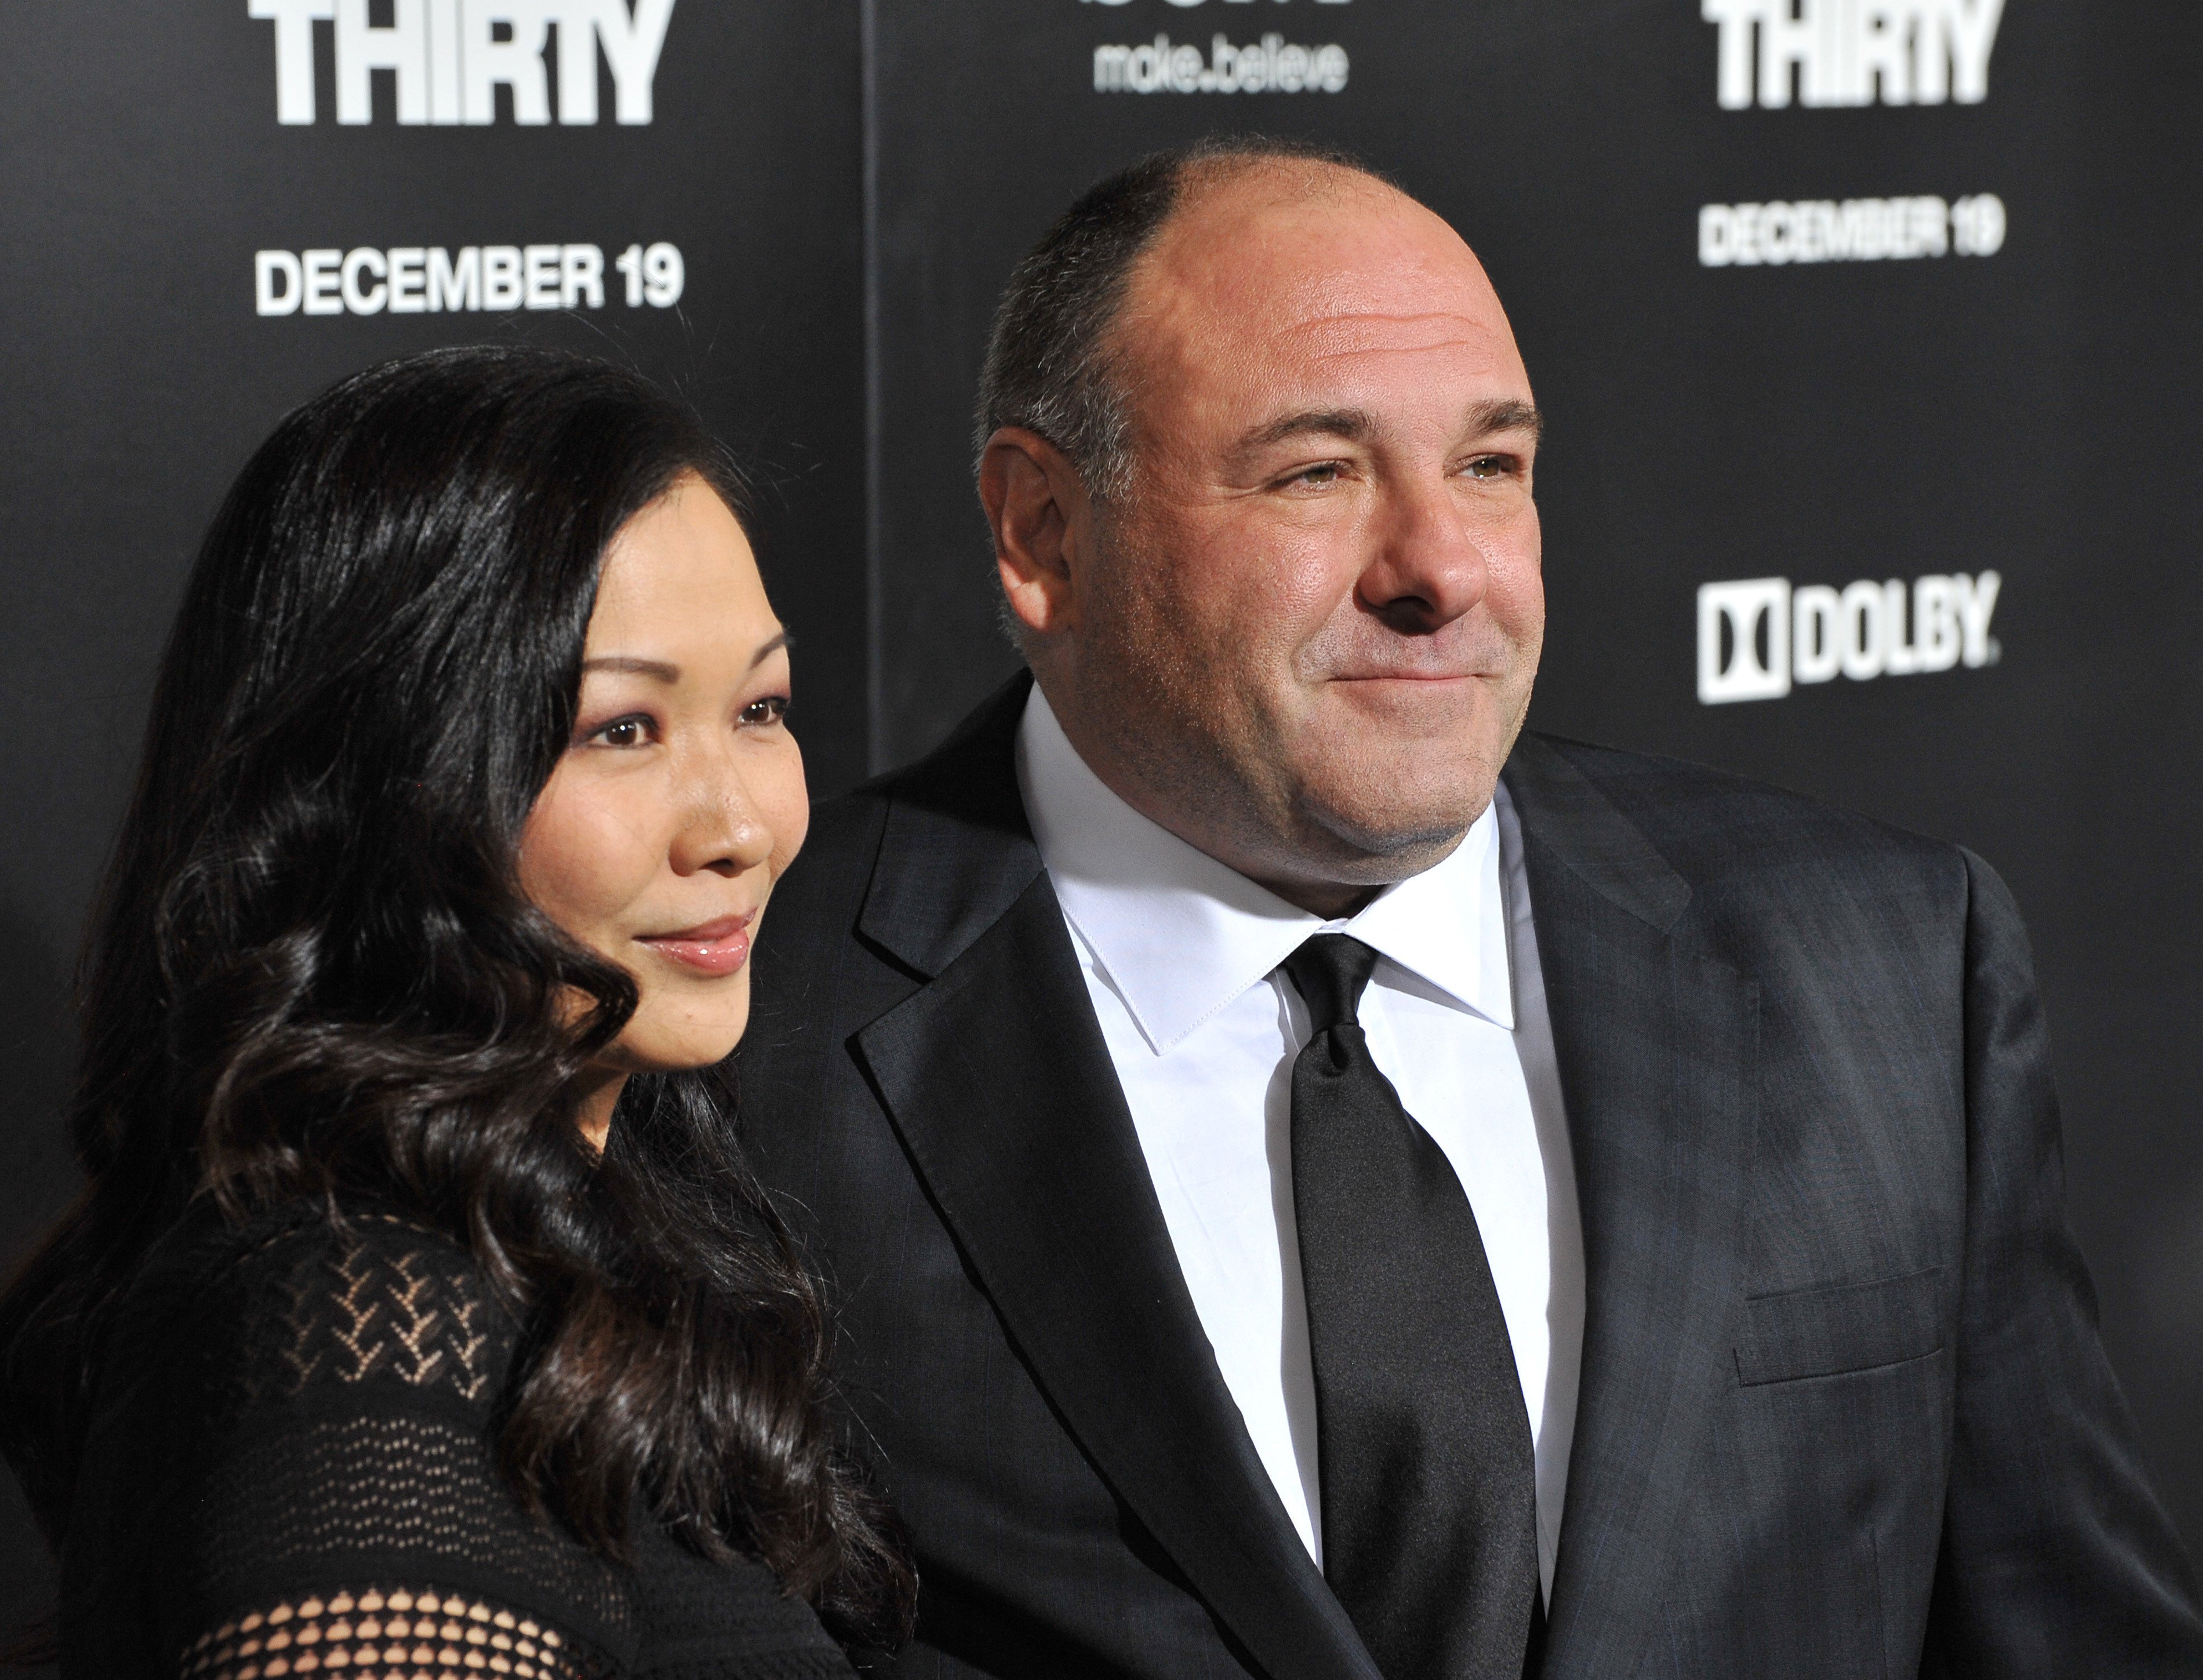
(1713, 826)
(829, 874)
(845, 827)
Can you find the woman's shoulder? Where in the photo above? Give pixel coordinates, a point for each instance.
(295, 1411)
(295, 1415)
(313, 1298)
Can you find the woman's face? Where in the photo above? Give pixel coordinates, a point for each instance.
(659, 835)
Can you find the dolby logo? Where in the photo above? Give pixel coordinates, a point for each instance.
(1759, 636)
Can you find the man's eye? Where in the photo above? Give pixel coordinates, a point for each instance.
(771, 710)
(1326, 474)
(1490, 466)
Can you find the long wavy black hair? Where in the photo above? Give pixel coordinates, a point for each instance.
(310, 971)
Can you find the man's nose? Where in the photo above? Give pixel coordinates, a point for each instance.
(1428, 569)
(720, 828)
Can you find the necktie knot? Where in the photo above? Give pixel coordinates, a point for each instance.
(1331, 971)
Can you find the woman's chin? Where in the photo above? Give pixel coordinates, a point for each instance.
(648, 1046)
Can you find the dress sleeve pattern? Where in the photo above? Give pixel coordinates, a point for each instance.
(305, 1476)
(379, 1299)
(418, 1635)
(291, 1472)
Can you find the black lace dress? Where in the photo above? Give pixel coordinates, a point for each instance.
(288, 1473)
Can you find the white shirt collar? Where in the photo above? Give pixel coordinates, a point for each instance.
(1178, 936)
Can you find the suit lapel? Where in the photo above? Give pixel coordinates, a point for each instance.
(1655, 1043)
(996, 1076)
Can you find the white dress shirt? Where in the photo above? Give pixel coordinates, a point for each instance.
(1181, 954)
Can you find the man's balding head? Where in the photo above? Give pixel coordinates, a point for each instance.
(1049, 363)
(1257, 456)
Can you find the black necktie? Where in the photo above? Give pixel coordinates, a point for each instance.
(1429, 1488)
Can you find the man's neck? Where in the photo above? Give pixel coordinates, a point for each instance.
(1333, 900)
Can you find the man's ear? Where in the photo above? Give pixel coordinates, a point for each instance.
(1036, 504)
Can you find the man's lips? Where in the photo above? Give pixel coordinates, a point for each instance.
(1411, 676)
(716, 948)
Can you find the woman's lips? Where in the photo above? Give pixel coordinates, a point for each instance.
(715, 948)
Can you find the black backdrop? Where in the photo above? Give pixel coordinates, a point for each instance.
(1891, 316)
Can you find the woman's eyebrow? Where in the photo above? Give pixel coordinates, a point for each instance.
(650, 668)
(664, 671)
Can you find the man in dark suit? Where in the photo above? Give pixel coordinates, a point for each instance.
(1322, 1184)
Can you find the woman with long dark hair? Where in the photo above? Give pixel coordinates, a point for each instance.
(419, 1315)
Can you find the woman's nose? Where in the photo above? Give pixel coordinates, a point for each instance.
(721, 829)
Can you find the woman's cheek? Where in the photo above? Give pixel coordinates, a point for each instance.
(583, 861)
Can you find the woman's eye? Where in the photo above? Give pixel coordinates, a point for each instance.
(771, 710)
(623, 732)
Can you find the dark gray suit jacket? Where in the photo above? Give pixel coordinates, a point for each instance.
(1844, 1411)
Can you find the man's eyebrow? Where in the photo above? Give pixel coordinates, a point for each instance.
(1506, 413)
(1354, 425)
(1498, 414)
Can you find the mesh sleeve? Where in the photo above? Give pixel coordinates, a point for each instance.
(421, 1633)
(312, 1486)
(292, 1471)
(342, 1499)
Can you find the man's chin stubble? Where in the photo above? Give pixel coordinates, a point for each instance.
(1372, 853)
